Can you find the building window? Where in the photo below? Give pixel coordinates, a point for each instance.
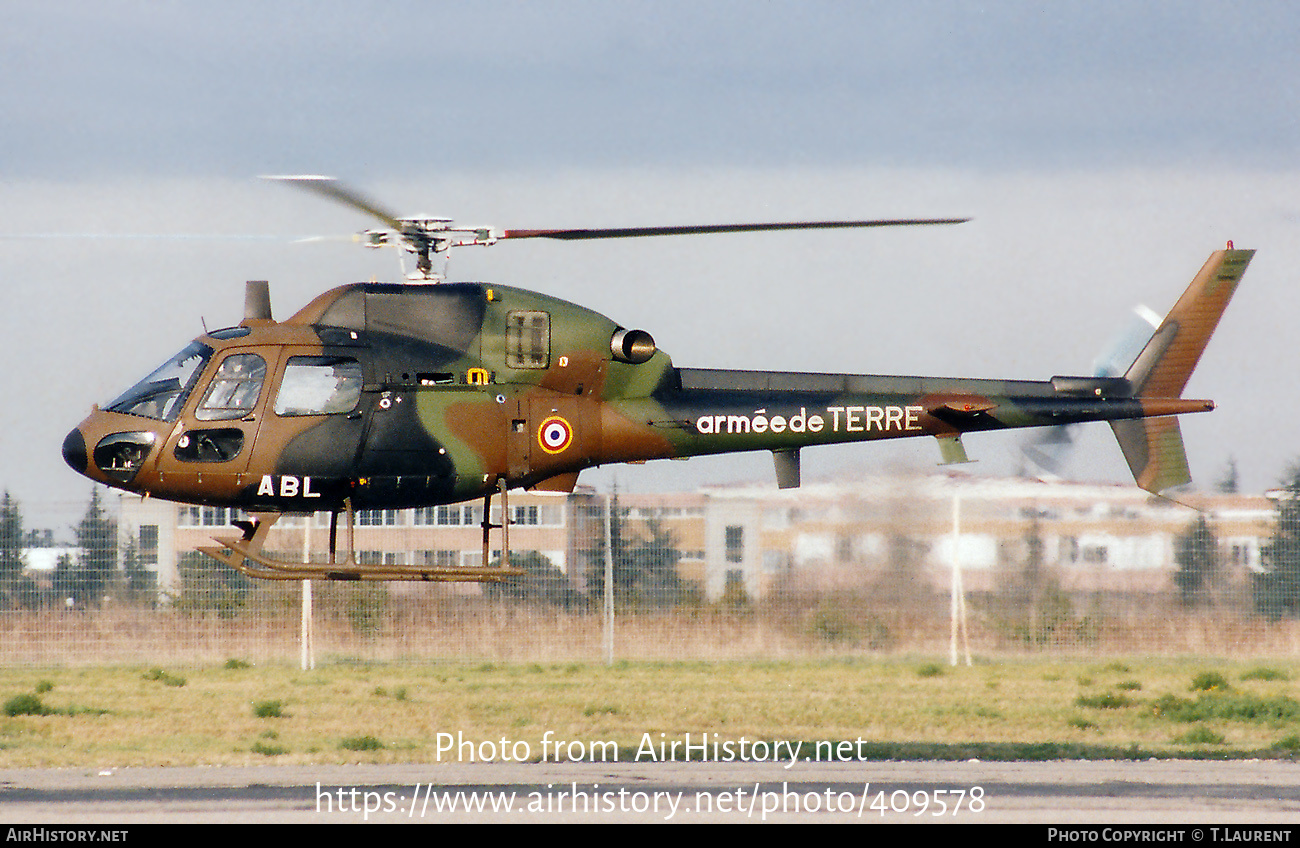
(1095, 554)
(437, 559)
(735, 543)
(208, 516)
(377, 518)
(149, 544)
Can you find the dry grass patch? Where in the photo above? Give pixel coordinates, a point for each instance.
(122, 716)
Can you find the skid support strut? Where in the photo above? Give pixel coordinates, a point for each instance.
(245, 554)
(504, 527)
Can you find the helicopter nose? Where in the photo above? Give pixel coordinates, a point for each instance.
(74, 451)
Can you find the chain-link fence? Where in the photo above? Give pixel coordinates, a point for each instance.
(881, 567)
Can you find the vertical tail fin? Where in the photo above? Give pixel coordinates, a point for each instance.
(1154, 446)
(1166, 363)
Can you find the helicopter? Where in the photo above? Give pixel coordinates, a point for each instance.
(422, 393)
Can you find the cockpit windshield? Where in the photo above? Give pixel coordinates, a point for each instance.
(162, 393)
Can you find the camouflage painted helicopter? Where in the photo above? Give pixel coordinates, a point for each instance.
(397, 395)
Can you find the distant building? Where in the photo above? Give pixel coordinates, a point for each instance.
(1092, 537)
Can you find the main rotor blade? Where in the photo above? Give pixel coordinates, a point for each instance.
(156, 236)
(638, 232)
(334, 190)
(330, 188)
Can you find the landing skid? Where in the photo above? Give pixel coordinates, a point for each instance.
(245, 554)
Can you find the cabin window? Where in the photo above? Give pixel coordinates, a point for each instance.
(216, 444)
(319, 385)
(528, 339)
(233, 392)
(162, 393)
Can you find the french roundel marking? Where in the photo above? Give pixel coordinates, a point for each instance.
(555, 434)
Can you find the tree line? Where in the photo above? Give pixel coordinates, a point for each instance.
(643, 567)
(98, 570)
(1275, 586)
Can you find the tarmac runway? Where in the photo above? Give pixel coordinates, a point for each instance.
(1062, 794)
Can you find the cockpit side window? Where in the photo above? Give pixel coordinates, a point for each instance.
(234, 390)
(162, 393)
(319, 385)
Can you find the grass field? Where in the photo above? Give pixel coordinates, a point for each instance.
(239, 714)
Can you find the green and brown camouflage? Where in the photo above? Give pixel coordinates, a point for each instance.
(394, 396)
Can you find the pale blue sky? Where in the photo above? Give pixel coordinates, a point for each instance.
(381, 89)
